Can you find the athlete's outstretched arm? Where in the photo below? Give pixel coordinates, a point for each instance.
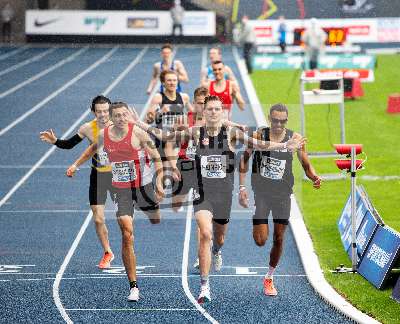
(86, 155)
(50, 137)
(291, 145)
(162, 135)
(243, 169)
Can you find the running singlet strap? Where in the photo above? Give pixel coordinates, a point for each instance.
(225, 95)
(131, 167)
(100, 160)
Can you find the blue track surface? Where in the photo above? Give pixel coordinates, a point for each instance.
(40, 221)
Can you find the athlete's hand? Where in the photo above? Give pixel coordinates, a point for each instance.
(317, 182)
(176, 174)
(48, 136)
(71, 170)
(295, 144)
(180, 123)
(133, 115)
(243, 198)
(159, 192)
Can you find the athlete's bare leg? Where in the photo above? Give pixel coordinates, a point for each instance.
(154, 216)
(260, 234)
(219, 231)
(100, 225)
(128, 254)
(177, 202)
(204, 222)
(277, 247)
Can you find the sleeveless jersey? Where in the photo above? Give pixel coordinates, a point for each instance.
(188, 149)
(215, 162)
(166, 120)
(130, 167)
(172, 68)
(100, 160)
(272, 170)
(225, 96)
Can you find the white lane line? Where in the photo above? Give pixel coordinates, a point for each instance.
(12, 53)
(203, 60)
(303, 240)
(185, 260)
(133, 309)
(28, 61)
(57, 92)
(56, 284)
(43, 73)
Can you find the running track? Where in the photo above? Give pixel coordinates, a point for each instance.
(48, 246)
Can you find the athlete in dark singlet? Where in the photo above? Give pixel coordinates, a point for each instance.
(272, 182)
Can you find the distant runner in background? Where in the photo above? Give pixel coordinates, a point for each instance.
(314, 41)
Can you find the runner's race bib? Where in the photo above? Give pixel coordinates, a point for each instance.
(272, 168)
(213, 166)
(103, 157)
(123, 171)
(191, 151)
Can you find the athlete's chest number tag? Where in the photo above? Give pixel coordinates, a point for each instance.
(123, 171)
(103, 157)
(272, 168)
(213, 166)
(191, 150)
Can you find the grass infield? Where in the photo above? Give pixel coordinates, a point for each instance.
(368, 123)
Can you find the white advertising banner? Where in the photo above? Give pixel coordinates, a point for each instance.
(94, 22)
(362, 30)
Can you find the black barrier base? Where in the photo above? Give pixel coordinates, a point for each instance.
(343, 269)
(396, 291)
(119, 39)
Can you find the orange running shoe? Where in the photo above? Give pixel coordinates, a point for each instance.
(269, 288)
(105, 262)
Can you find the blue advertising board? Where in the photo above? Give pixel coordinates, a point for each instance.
(344, 222)
(365, 233)
(380, 256)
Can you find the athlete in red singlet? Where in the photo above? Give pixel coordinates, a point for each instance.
(127, 147)
(226, 90)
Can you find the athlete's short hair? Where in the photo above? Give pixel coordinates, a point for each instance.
(167, 45)
(279, 107)
(200, 91)
(164, 73)
(99, 100)
(116, 105)
(217, 62)
(211, 98)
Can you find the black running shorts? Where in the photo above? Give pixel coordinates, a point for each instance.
(100, 183)
(218, 203)
(142, 198)
(279, 206)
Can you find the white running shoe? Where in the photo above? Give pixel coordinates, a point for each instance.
(217, 261)
(205, 295)
(196, 264)
(134, 294)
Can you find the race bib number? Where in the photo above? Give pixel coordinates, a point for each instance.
(123, 171)
(191, 151)
(213, 166)
(272, 168)
(103, 158)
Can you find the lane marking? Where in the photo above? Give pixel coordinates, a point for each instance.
(12, 53)
(59, 275)
(74, 125)
(44, 72)
(56, 284)
(28, 61)
(185, 260)
(132, 309)
(57, 92)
